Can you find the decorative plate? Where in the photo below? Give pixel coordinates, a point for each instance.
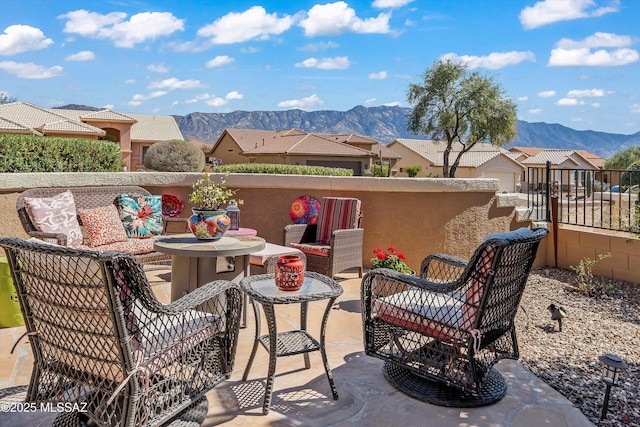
(171, 206)
(305, 210)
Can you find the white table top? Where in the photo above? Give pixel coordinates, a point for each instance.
(188, 246)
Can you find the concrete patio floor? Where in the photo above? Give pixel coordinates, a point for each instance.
(302, 397)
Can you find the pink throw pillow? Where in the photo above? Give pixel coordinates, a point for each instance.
(103, 225)
(55, 214)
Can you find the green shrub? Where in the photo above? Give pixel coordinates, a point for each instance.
(380, 170)
(588, 284)
(413, 170)
(175, 155)
(30, 153)
(273, 168)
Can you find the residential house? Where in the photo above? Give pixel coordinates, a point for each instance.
(481, 161)
(297, 147)
(134, 132)
(576, 164)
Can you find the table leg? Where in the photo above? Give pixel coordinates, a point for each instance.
(323, 352)
(304, 309)
(255, 341)
(247, 268)
(273, 354)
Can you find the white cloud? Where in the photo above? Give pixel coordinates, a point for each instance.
(141, 27)
(595, 104)
(549, 11)
(30, 70)
(577, 119)
(234, 94)
(547, 93)
(337, 63)
(585, 57)
(337, 18)
(381, 4)
(393, 104)
(254, 23)
(138, 98)
(596, 40)
(535, 111)
(493, 61)
(219, 61)
(128, 81)
(304, 103)
(381, 75)
(158, 68)
(596, 93)
(108, 106)
(634, 108)
(315, 47)
(85, 55)
(569, 102)
(22, 38)
(579, 52)
(522, 98)
(370, 101)
(174, 83)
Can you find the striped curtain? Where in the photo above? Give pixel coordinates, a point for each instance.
(336, 213)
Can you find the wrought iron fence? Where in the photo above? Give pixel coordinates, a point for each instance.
(602, 198)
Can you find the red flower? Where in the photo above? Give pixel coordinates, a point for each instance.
(377, 250)
(392, 248)
(380, 255)
(401, 256)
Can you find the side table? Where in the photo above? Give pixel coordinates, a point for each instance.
(262, 290)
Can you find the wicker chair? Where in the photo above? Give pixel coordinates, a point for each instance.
(101, 339)
(441, 333)
(334, 244)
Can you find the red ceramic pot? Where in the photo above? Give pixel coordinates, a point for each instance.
(289, 273)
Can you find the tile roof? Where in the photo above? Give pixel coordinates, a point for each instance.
(293, 142)
(33, 117)
(556, 157)
(101, 115)
(470, 159)
(529, 151)
(433, 151)
(10, 126)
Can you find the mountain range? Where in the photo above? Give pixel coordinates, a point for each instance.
(384, 124)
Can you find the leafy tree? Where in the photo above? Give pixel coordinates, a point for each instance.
(457, 106)
(6, 99)
(623, 159)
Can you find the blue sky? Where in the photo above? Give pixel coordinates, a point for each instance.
(573, 62)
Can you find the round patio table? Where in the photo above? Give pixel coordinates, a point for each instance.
(262, 290)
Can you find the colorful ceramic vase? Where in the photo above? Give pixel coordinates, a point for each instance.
(289, 273)
(208, 224)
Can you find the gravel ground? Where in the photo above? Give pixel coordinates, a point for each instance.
(568, 360)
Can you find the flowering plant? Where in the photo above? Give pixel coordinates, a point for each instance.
(395, 260)
(208, 194)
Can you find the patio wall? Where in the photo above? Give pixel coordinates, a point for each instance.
(418, 215)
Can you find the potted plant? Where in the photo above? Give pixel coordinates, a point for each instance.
(209, 220)
(394, 260)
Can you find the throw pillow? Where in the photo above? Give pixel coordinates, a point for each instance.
(103, 225)
(140, 215)
(55, 214)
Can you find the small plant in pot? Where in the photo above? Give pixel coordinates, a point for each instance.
(209, 220)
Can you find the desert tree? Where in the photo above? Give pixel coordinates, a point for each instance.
(453, 105)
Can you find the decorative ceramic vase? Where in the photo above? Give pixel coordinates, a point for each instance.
(289, 273)
(208, 224)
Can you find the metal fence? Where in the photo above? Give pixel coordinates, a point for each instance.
(602, 198)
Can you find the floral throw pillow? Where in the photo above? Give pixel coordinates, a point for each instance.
(55, 214)
(140, 215)
(103, 225)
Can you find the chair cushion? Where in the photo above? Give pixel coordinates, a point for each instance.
(140, 215)
(103, 225)
(520, 233)
(55, 214)
(430, 313)
(313, 248)
(132, 246)
(336, 213)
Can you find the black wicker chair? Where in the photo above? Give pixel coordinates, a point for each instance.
(441, 333)
(102, 340)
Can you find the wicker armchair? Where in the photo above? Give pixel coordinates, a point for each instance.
(334, 244)
(441, 333)
(101, 339)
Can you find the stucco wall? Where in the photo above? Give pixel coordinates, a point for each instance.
(419, 216)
